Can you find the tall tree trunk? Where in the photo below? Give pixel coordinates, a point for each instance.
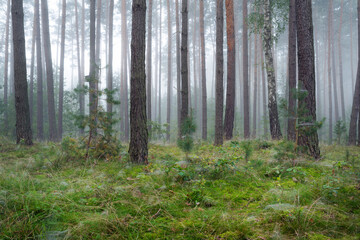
(80, 77)
(138, 148)
(246, 72)
(263, 79)
(98, 42)
(219, 100)
(342, 98)
(149, 61)
(306, 63)
(23, 126)
(291, 129)
(184, 64)
(194, 60)
(230, 92)
(178, 69)
(169, 90)
(203, 72)
(31, 90)
(272, 104)
(6, 67)
(92, 73)
(49, 71)
(356, 99)
(61, 83)
(39, 77)
(255, 86)
(109, 82)
(329, 73)
(82, 81)
(351, 53)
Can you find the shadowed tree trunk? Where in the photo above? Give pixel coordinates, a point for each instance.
(203, 72)
(149, 61)
(272, 104)
(329, 74)
(39, 76)
(178, 69)
(219, 100)
(61, 79)
(184, 64)
(109, 82)
(138, 148)
(92, 71)
(291, 129)
(169, 90)
(49, 71)
(6, 67)
(230, 92)
(356, 99)
(31, 90)
(306, 63)
(246, 72)
(23, 128)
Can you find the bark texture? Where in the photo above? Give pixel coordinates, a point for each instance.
(246, 100)
(169, 90)
(306, 64)
(272, 98)
(203, 72)
(109, 82)
(23, 127)
(138, 148)
(219, 99)
(230, 92)
(61, 77)
(149, 60)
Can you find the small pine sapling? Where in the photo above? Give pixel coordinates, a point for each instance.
(186, 140)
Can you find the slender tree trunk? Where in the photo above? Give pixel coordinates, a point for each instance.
(80, 77)
(6, 67)
(160, 64)
(61, 82)
(23, 126)
(169, 90)
(39, 77)
(178, 69)
(356, 99)
(342, 98)
(92, 72)
(230, 92)
(203, 72)
(98, 42)
(272, 104)
(124, 81)
(194, 59)
(149, 61)
(351, 53)
(219, 101)
(49, 71)
(246, 72)
(255, 86)
(329, 73)
(138, 148)
(31, 90)
(291, 129)
(109, 82)
(306, 63)
(263, 79)
(82, 81)
(184, 64)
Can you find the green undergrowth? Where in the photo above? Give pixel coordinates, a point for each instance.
(252, 190)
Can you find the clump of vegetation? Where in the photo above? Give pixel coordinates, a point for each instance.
(186, 141)
(339, 130)
(248, 149)
(285, 151)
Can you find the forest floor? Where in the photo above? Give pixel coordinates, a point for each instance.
(215, 194)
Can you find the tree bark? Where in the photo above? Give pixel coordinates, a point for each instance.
(203, 72)
(32, 66)
(246, 72)
(92, 78)
(124, 74)
(160, 65)
(356, 99)
(306, 63)
(184, 64)
(39, 76)
(272, 104)
(80, 75)
(219, 100)
(255, 86)
(230, 92)
(138, 148)
(263, 79)
(61, 79)
(291, 129)
(342, 98)
(329, 74)
(53, 136)
(178, 69)
(169, 90)
(23, 127)
(149, 61)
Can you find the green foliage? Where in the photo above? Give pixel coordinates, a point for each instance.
(248, 149)
(339, 130)
(157, 130)
(186, 140)
(285, 151)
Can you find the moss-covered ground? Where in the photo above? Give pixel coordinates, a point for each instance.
(215, 194)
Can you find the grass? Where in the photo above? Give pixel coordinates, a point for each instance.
(216, 194)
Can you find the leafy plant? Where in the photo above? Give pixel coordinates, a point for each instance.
(186, 140)
(339, 130)
(248, 149)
